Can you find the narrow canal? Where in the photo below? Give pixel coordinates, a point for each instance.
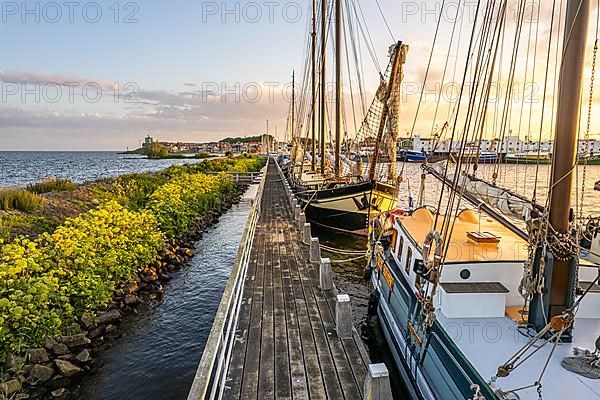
(157, 355)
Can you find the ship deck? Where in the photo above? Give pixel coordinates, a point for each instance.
(490, 342)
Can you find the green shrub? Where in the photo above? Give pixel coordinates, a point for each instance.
(19, 199)
(157, 151)
(187, 196)
(52, 186)
(46, 283)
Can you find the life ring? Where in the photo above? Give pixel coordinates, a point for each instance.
(432, 265)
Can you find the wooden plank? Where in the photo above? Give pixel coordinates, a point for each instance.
(283, 388)
(330, 378)
(233, 387)
(266, 386)
(296, 353)
(252, 362)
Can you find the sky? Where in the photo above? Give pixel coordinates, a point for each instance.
(101, 75)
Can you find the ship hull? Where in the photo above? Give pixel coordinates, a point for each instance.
(346, 208)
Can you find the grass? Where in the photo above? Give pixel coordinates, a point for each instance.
(25, 224)
(20, 200)
(204, 155)
(52, 186)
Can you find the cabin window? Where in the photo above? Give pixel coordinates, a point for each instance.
(394, 237)
(408, 260)
(400, 248)
(465, 274)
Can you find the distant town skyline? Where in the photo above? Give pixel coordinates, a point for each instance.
(102, 75)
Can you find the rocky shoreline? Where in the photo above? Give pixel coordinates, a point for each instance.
(55, 370)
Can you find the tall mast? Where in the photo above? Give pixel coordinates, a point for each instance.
(322, 126)
(338, 86)
(314, 86)
(293, 102)
(561, 279)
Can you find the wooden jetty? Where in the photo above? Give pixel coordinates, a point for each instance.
(282, 330)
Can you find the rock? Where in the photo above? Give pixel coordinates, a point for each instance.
(37, 356)
(50, 343)
(61, 393)
(87, 321)
(94, 333)
(109, 328)
(74, 340)
(132, 288)
(110, 316)
(58, 382)
(165, 277)
(83, 356)
(150, 277)
(12, 362)
(37, 393)
(66, 368)
(40, 373)
(60, 349)
(131, 299)
(10, 387)
(189, 253)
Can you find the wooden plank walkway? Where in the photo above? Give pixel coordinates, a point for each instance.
(286, 346)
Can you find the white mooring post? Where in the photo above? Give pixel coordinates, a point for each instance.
(343, 316)
(306, 233)
(377, 383)
(294, 203)
(301, 221)
(315, 250)
(325, 278)
(297, 211)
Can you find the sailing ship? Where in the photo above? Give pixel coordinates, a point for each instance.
(475, 305)
(341, 198)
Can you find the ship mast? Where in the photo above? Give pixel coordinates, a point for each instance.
(314, 84)
(322, 126)
(386, 110)
(561, 274)
(338, 86)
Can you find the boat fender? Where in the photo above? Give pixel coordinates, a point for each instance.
(432, 265)
(367, 273)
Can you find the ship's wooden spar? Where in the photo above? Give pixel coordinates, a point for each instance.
(478, 203)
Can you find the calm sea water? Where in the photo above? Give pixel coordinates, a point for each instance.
(20, 168)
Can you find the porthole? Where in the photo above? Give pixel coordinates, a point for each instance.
(465, 274)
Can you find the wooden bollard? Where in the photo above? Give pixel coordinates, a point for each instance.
(377, 383)
(294, 204)
(306, 233)
(301, 221)
(325, 278)
(343, 316)
(315, 250)
(297, 211)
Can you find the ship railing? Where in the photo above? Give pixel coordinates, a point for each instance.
(209, 381)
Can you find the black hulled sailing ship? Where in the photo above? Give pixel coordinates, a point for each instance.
(342, 198)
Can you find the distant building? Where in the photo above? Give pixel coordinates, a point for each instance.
(148, 141)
